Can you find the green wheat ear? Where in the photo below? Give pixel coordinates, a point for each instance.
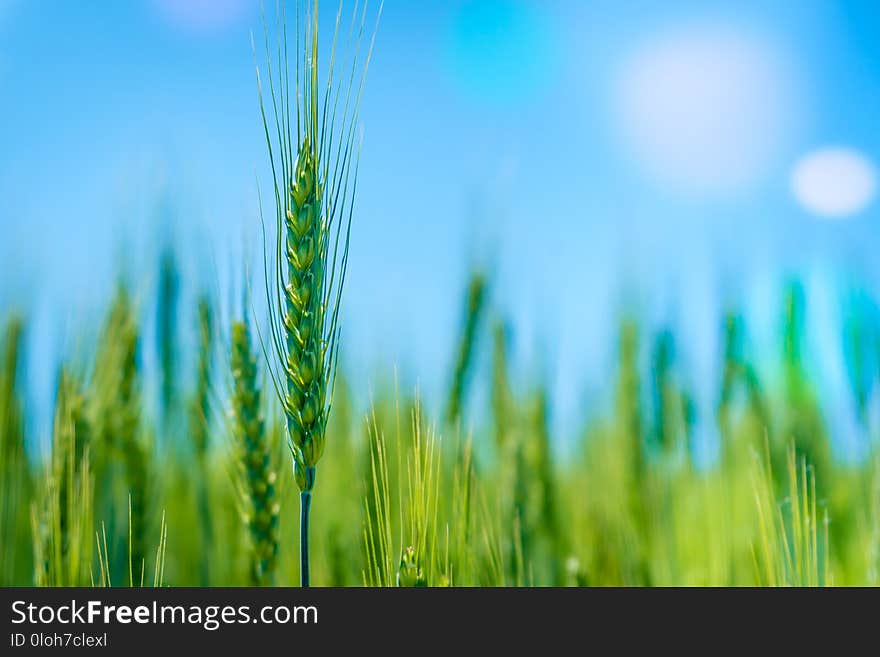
(200, 425)
(313, 152)
(251, 439)
(122, 455)
(200, 407)
(166, 330)
(16, 481)
(62, 524)
(476, 294)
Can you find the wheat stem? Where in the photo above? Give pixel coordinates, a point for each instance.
(305, 506)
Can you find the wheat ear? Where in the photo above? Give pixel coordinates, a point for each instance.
(313, 153)
(251, 439)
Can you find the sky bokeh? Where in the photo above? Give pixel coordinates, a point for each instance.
(676, 157)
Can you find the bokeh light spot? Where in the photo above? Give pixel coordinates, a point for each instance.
(705, 110)
(204, 15)
(834, 182)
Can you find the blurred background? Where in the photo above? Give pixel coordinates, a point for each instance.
(673, 160)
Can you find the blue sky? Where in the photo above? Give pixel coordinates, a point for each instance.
(590, 154)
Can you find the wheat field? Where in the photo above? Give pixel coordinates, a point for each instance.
(201, 490)
(244, 459)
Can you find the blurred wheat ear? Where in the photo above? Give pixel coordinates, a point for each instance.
(16, 482)
(474, 304)
(313, 152)
(200, 428)
(120, 449)
(252, 441)
(62, 523)
(166, 331)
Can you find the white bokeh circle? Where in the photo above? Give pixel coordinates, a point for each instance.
(834, 182)
(705, 110)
